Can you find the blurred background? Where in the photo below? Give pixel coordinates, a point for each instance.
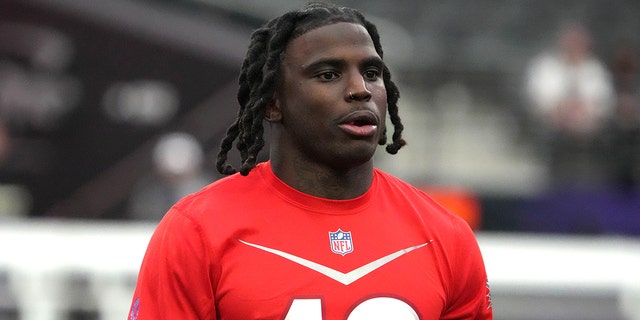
(521, 116)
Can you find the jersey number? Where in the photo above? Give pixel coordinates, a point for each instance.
(375, 308)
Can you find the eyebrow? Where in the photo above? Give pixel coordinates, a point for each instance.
(338, 63)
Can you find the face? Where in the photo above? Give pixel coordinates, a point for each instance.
(330, 105)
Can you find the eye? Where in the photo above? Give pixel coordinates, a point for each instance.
(371, 74)
(328, 75)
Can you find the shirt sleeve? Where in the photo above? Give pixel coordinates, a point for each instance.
(470, 296)
(175, 277)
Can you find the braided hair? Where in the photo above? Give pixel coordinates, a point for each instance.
(260, 70)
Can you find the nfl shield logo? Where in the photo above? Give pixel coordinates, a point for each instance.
(341, 242)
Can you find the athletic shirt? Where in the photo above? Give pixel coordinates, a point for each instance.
(252, 247)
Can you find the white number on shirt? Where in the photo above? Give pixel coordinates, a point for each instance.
(375, 308)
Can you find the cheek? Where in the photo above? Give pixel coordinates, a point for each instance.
(305, 108)
(311, 102)
(380, 99)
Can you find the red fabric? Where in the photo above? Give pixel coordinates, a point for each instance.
(226, 253)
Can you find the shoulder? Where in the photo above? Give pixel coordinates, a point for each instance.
(595, 66)
(406, 195)
(545, 59)
(387, 180)
(392, 186)
(222, 195)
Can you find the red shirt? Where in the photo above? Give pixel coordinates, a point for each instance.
(254, 248)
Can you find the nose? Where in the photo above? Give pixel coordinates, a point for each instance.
(357, 89)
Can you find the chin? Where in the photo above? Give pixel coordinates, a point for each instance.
(357, 156)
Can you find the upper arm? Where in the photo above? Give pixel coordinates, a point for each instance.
(469, 293)
(175, 279)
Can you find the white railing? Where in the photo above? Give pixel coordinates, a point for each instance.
(532, 276)
(563, 277)
(40, 257)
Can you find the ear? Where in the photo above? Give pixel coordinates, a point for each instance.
(272, 112)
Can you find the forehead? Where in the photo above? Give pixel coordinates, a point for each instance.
(328, 41)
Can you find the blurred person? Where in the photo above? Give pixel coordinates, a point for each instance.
(15, 198)
(5, 144)
(316, 232)
(625, 157)
(570, 93)
(177, 171)
(571, 90)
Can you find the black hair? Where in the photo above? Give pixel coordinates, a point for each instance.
(260, 70)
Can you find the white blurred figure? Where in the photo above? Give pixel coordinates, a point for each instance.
(571, 99)
(178, 171)
(570, 89)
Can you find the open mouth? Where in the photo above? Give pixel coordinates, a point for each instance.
(361, 118)
(361, 124)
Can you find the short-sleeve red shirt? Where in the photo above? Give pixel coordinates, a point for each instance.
(254, 248)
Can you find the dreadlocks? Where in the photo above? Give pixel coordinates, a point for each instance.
(257, 81)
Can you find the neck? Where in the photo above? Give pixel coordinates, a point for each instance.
(324, 181)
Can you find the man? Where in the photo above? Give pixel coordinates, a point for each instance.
(315, 232)
(571, 98)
